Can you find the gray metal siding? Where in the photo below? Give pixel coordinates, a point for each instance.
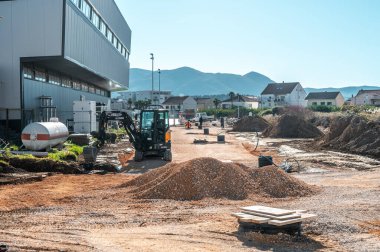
(115, 19)
(85, 45)
(63, 98)
(27, 29)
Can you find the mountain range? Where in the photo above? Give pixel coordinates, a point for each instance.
(189, 81)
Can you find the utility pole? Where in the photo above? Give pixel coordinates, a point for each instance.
(159, 86)
(152, 58)
(159, 80)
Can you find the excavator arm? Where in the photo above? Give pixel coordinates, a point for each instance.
(127, 122)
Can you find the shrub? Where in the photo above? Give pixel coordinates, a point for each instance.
(324, 108)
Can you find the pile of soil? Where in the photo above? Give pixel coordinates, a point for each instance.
(251, 124)
(292, 126)
(209, 178)
(43, 165)
(321, 121)
(354, 134)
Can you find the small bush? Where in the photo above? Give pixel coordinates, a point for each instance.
(63, 156)
(324, 108)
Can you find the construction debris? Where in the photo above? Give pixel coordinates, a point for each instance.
(251, 124)
(354, 134)
(209, 178)
(292, 126)
(272, 220)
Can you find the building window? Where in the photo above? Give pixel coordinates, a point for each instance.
(91, 89)
(323, 103)
(40, 76)
(103, 28)
(54, 79)
(102, 93)
(76, 85)
(109, 35)
(95, 19)
(28, 73)
(84, 87)
(66, 82)
(114, 40)
(314, 104)
(329, 103)
(86, 9)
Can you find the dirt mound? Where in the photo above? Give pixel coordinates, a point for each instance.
(209, 178)
(292, 126)
(354, 134)
(321, 121)
(251, 124)
(43, 165)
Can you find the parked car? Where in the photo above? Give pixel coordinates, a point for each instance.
(204, 116)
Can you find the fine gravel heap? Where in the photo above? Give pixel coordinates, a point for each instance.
(209, 178)
(292, 126)
(354, 134)
(251, 124)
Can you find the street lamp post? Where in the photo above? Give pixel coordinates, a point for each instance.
(159, 86)
(152, 58)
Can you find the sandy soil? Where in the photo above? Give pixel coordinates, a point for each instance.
(92, 213)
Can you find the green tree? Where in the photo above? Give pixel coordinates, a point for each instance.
(232, 96)
(129, 103)
(216, 102)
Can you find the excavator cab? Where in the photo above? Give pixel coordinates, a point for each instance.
(155, 134)
(152, 136)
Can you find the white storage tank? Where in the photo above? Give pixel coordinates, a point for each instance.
(44, 135)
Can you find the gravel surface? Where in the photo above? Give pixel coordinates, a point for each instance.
(94, 213)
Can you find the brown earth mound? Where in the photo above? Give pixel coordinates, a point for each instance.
(209, 178)
(43, 165)
(354, 134)
(292, 126)
(251, 124)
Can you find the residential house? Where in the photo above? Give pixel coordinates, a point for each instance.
(283, 95)
(204, 103)
(325, 98)
(367, 97)
(185, 106)
(158, 96)
(250, 102)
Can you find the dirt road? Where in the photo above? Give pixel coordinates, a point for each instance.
(93, 213)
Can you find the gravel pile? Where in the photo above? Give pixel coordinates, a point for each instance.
(251, 124)
(354, 134)
(292, 126)
(210, 178)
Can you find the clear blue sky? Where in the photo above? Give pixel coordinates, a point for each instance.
(321, 43)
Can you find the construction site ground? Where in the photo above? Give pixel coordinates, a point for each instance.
(93, 213)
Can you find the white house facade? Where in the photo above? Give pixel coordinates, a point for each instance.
(283, 95)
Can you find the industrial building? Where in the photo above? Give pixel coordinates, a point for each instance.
(55, 52)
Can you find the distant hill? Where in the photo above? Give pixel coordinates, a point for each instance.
(347, 92)
(189, 81)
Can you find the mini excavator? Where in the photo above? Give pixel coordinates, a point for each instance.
(152, 136)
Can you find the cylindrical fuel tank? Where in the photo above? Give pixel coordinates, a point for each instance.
(44, 135)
